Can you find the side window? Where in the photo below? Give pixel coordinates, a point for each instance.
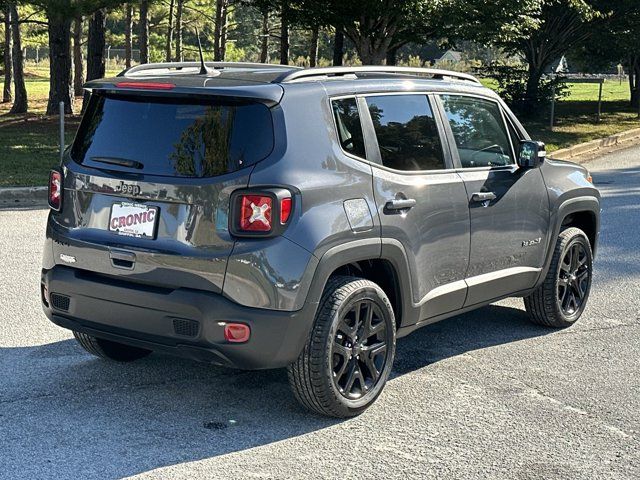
(407, 132)
(479, 131)
(349, 127)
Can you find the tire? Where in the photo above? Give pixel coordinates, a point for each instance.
(110, 350)
(339, 373)
(564, 280)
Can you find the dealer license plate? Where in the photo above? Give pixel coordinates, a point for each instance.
(133, 220)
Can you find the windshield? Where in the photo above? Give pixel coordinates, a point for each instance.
(172, 137)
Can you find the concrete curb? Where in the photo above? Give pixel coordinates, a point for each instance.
(23, 197)
(602, 143)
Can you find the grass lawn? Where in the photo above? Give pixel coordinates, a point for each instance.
(29, 143)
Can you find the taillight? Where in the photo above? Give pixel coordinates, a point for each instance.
(260, 213)
(285, 210)
(55, 190)
(256, 212)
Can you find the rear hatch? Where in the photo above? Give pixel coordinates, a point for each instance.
(147, 184)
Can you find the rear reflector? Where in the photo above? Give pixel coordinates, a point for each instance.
(146, 85)
(255, 213)
(285, 210)
(55, 190)
(236, 332)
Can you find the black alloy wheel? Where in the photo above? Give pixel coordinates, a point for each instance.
(574, 279)
(359, 350)
(562, 297)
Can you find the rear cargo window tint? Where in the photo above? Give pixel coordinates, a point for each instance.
(349, 127)
(173, 137)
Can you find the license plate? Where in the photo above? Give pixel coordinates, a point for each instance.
(133, 220)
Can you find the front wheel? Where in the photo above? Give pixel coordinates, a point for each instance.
(348, 357)
(561, 299)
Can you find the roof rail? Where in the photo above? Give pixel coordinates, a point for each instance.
(309, 73)
(177, 66)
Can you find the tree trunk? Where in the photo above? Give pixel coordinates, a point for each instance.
(634, 81)
(20, 104)
(224, 31)
(128, 35)
(284, 33)
(96, 45)
(144, 31)
(313, 47)
(78, 64)
(59, 63)
(392, 56)
(217, 31)
(179, 9)
(533, 84)
(95, 48)
(6, 91)
(169, 39)
(338, 47)
(264, 44)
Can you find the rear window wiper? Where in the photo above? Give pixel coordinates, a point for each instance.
(123, 162)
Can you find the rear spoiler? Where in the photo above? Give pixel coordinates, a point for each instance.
(267, 93)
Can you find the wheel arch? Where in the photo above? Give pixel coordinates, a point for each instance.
(581, 212)
(369, 259)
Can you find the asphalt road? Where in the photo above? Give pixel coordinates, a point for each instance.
(482, 395)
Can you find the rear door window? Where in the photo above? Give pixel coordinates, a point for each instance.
(172, 137)
(407, 132)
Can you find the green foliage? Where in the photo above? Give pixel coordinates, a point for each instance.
(511, 85)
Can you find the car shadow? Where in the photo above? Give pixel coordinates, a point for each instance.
(76, 416)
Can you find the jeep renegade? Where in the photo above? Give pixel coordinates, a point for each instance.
(263, 216)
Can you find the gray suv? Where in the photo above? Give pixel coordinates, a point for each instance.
(263, 216)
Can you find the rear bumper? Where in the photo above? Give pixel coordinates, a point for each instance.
(155, 318)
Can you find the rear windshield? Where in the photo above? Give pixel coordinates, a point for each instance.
(172, 137)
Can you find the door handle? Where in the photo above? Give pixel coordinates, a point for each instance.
(400, 204)
(483, 197)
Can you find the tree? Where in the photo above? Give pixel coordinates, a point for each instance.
(313, 46)
(143, 36)
(264, 36)
(8, 44)
(285, 13)
(169, 39)
(615, 41)
(220, 30)
(96, 45)
(374, 26)
(128, 34)
(78, 64)
(179, 11)
(20, 103)
(538, 31)
(338, 46)
(59, 30)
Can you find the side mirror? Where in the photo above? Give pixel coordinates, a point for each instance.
(531, 154)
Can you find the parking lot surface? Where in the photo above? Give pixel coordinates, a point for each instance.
(486, 394)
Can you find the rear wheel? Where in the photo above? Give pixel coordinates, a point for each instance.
(349, 354)
(561, 299)
(110, 350)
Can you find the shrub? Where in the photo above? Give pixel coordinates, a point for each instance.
(512, 87)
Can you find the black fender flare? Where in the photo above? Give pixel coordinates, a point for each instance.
(572, 205)
(359, 250)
